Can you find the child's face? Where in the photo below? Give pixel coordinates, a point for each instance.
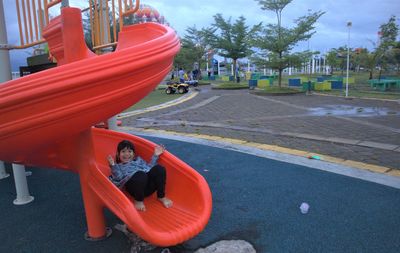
(126, 155)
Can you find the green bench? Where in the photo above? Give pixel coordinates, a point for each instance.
(384, 84)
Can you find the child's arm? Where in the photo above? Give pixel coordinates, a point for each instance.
(158, 150)
(110, 160)
(115, 170)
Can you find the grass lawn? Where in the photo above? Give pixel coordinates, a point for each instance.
(230, 85)
(360, 88)
(277, 90)
(156, 97)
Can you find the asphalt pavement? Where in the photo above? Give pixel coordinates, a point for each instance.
(255, 198)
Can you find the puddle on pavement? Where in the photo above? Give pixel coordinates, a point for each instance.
(346, 110)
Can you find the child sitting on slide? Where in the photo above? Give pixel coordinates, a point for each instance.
(139, 178)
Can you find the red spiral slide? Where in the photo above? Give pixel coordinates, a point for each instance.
(47, 118)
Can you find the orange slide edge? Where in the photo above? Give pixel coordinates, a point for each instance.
(158, 225)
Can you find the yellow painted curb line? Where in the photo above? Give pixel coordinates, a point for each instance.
(326, 158)
(394, 173)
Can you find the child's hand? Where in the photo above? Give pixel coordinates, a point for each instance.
(158, 150)
(110, 160)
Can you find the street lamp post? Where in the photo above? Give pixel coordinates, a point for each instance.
(207, 62)
(348, 58)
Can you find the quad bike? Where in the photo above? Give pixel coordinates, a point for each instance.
(173, 87)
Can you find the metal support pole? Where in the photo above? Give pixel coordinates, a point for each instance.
(312, 66)
(207, 62)
(319, 64)
(5, 70)
(348, 59)
(3, 173)
(21, 186)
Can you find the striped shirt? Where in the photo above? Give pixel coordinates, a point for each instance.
(122, 172)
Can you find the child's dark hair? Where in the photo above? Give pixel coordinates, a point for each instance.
(123, 144)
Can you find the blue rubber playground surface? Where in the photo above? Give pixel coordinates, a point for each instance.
(254, 199)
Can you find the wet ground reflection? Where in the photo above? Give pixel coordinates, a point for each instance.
(356, 111)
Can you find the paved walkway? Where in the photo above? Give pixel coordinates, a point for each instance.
(362, 133)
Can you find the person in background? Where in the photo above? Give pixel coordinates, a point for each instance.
(186, 76)
(181, 74)
(195, 74)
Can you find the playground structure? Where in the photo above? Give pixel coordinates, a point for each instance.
(33, 16)
(47, 120)
(321, 83)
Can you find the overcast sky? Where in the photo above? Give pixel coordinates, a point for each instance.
(331, 29)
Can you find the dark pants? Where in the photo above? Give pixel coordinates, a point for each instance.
(143, 184)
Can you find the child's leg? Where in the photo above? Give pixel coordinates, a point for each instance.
(136, 187)
(157, 179)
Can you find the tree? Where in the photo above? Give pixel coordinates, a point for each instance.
(185, 58)
(389, 32)
(298, 59)
(193, 49)
(279, 40)
(333, 60)
(357, 59)
(395, 59)
(232, 41)
(269, 60)
(195, 40)
(369, 61)
(384, 53)
(337, 58)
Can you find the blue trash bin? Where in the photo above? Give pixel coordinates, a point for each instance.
(337, 85)
(294, 82)
(252, 84)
